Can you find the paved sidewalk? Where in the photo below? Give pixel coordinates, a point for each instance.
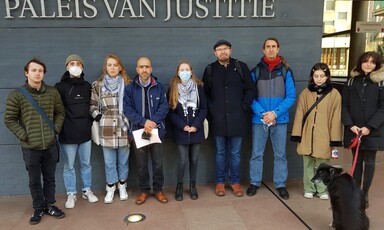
(262, 211)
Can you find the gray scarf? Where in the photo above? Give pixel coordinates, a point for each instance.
(114, 85)
(188, 95)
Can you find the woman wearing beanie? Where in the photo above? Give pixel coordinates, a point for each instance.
(75, 136)
(188, 109)
(107, 108)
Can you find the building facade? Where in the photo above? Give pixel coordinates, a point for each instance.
(166, 31)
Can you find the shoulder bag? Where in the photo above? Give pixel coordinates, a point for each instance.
(43, 115)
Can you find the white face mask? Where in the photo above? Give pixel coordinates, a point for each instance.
(75, 71)
(184, 75)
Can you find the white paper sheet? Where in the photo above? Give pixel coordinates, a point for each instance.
(140, 142)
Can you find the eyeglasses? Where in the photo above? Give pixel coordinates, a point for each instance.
(222, 49)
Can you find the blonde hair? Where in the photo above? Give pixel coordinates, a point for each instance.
(173, 89)
(123, 73)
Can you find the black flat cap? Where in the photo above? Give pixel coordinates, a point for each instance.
(222, 42)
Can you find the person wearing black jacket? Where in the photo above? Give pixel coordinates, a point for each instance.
(230, 91)
(75, 136)
(363, 111)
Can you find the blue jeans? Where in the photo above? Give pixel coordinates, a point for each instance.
(233, 145)
(69, 152)
(116, 164)
(278, 134)
(187, 153)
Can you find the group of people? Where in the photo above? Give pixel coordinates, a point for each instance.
(228, 94)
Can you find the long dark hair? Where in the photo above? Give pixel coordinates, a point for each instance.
(376, 58)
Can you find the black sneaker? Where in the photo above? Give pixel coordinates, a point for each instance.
(36, 217)
(252, 189)
(283, 193)
(54, 211)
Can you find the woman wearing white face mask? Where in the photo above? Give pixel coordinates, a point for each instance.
(188, 109)
(107, 108)
(75, 136)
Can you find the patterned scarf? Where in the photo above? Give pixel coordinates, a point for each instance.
(188, 96)
(115, 85)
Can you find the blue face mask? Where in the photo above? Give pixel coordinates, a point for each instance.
(184, 75)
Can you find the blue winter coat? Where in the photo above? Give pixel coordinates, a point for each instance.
(274, 93)
(134, 96)
(179, 121)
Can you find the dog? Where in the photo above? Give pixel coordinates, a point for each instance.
(347, 200)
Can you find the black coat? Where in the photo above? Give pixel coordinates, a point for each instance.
(179, 121)
(76, 95)
(229, 98)
(363, 106)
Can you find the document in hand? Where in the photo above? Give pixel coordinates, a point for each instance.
(140, 142)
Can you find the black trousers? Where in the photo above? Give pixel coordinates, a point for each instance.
(41, 163)
(365, 164)
(155, 151)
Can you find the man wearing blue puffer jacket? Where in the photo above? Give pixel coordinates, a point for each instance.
(146, 106)
(276, 94)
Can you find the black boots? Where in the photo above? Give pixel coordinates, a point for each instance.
(179, 192)
(193, 191)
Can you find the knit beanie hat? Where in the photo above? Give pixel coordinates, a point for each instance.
(74, 57)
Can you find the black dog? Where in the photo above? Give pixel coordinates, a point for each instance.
(347, 200)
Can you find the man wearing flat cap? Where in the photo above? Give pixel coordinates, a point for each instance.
(230, 91)
(75, 136)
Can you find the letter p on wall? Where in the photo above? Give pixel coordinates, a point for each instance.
(8, 8)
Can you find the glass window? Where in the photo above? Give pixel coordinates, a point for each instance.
(330, 5)
(343, 15)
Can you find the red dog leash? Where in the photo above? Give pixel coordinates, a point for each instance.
(355, 143)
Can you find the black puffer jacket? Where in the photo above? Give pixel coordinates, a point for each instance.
(363, 106)
(76, 95)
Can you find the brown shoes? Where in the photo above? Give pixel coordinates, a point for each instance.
(237, 190)
(220, 189)
(160, 196)
(141, 198)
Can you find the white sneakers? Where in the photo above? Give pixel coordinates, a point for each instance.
(123, 191)
(88, 195)
(308, 195)
(324, 197)
(70, 201)
(110, 193)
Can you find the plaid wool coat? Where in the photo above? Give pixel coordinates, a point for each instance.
(113, 126)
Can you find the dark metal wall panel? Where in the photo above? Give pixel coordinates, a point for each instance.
(297, 24)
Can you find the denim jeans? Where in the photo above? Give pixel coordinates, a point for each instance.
(116, 164)
(37, 163)
(69, 152)
(233, 146)
(187, 152)
(142, 157)
(278, 134)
